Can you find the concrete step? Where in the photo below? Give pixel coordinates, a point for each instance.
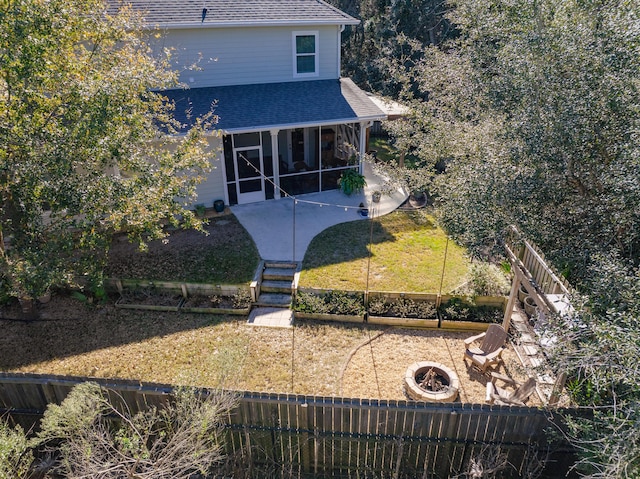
(276, 287)
(280, 264)
(274, 300)
(278, 274)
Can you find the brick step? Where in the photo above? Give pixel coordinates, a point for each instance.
(276, 287)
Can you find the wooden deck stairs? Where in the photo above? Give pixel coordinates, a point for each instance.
(275, 284)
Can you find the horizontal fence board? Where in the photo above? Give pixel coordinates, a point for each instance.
(192, 289)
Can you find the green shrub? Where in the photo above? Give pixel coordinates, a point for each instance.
(457, 309)
(15, 454)
(426, 309)
(378, 306)
(333, 302)
(311, 303)
(486, 279)
(402, 308)
(342, 302)
(242, 299)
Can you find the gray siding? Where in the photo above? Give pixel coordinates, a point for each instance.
(213, 187)
(209, 57)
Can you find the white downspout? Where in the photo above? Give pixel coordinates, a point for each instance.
(339, 56)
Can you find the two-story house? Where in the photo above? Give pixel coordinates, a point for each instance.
(271, 68)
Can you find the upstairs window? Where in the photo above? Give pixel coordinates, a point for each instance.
(305, 54)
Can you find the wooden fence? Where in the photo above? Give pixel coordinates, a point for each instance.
(282, 435)
(529, 257)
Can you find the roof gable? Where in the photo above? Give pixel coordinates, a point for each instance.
(229, 13)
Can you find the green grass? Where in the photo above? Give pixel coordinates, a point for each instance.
(385, 151)
(226, 254)
(408, 253)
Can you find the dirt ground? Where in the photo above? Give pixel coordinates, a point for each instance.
(73, 338)
(397, 348)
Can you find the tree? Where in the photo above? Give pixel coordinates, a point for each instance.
(87, 146)
(537, 104)
(367, 46)
(91, 437)
(599, 345)
(534, 109)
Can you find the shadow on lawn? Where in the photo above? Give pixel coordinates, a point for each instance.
(223, 254)
(350, 241)
(69, 327)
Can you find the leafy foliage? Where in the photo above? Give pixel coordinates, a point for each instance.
(351, 181)
(241, 299)
(86, 142)
(94, 438)
(367, 45)
(458, 309)
(533, 110)
(402, 308)
(333, 302)
(15, 455)
(486, 279)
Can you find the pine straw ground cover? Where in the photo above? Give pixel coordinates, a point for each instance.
(206, 350)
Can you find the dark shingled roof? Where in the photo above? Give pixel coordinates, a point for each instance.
(281, 105)
(220, 13)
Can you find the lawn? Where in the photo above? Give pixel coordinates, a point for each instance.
(223, 254)
(384, 150)
(74, 338)
(328, 359)
(407, 254)
(318, 358)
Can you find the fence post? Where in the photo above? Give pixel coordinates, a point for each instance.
(508, 310)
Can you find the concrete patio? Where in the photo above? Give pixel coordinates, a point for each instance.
(283, 229)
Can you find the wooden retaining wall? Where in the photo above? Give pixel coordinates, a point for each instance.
(295, 436)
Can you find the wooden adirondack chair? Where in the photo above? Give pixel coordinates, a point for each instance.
(490, 351)
(518, 396)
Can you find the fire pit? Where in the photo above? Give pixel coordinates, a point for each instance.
(433, 382)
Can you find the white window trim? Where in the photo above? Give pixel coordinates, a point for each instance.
(315, 34)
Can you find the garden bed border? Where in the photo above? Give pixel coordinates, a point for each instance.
(187, 290)
(422, 323)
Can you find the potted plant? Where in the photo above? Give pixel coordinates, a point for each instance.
(201, 210)
(351, 181)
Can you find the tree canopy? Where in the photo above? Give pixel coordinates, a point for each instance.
(537, 104)
(367, 46)
(86, 144)
(533, 107)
